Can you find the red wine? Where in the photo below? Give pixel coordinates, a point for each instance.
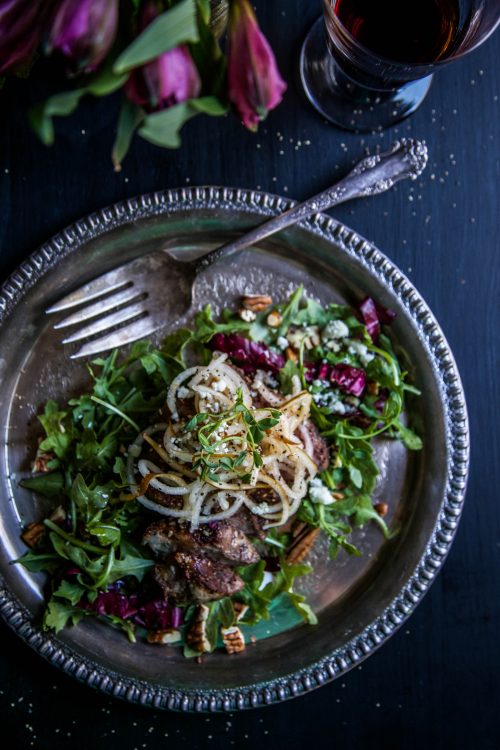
(407, 31)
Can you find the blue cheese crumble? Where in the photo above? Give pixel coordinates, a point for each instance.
(319, 492)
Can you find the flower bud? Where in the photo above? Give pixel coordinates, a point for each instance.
(84, 31)
(255, 85)
(169, 79)
(20, 31)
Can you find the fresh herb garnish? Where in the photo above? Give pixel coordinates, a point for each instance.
(221, 450)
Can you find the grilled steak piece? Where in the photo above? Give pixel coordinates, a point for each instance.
(172, 585)
(247, 522)
(219, 540)
(320, 452)
(208, 579)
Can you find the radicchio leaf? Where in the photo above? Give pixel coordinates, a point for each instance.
(374, 315)
(249, 355)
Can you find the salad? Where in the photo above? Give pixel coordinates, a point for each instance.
(190, 482)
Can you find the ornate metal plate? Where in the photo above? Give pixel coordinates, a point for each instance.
(360, 601)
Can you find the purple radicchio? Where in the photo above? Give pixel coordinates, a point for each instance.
(84, 31)
(347, 378)
(156, 614)
(20, 32)
(249, 355)
(255, 85)
(374, 315)
(115, 603)
(169, 79)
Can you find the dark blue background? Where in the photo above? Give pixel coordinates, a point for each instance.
(435, 684)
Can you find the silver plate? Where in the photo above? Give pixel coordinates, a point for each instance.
(360, 601)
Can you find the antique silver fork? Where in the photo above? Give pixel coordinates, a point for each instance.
(127, 303)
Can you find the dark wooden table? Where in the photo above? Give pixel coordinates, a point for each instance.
(435, 684)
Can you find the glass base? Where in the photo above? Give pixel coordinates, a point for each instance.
(343, 101)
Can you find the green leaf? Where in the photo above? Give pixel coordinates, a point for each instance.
(286, 375)
(175, 344)
(221, 614)
(105, 533)
(49, 484)
(162, 128)
(130, 565)
(89, 501)
(205, 326)
(58, 430)
(38, 561)
(410, 439)
(128, 120)
(356, 476)
(168, 30)
(60, 614)
(58, 105)
(71, 591)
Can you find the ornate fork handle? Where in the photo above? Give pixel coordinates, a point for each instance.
(372, 175)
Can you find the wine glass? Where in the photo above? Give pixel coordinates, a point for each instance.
(366, 65)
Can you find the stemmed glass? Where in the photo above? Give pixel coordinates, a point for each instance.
(368, 64)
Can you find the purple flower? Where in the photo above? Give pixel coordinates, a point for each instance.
(255, 85)
(20, 32)
(249, 355)
(169, 79)
(84, 31)
(373, 315)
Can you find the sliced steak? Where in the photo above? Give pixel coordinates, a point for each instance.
(219, 540)
(172, 585)
(247, 522)
(208, 579)
(319, 451)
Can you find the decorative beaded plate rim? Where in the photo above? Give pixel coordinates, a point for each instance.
(457, 438)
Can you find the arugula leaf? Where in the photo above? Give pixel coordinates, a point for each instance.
(205, 326)
(35, 562)
(221, 614)
(49, 484)
(71, 591)
(286, 375)
(410, 439)
(59, 615)
(58, 430)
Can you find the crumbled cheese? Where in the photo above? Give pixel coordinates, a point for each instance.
(219, 385)
(360, 351)
(331, 400)
(247, 315)
(283, 343)
(319, 492)
(335, 329)
(333, 345)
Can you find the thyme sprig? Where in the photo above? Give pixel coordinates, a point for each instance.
(218, 452)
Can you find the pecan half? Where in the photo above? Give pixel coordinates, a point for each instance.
(33, 534)
(196, 637)
(304, 537)
(162, 637)
(256, 302)
(233, 639)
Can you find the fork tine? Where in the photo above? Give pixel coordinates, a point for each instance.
(98, 308)
(108, 282)
(138, 329)
(107, 322)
